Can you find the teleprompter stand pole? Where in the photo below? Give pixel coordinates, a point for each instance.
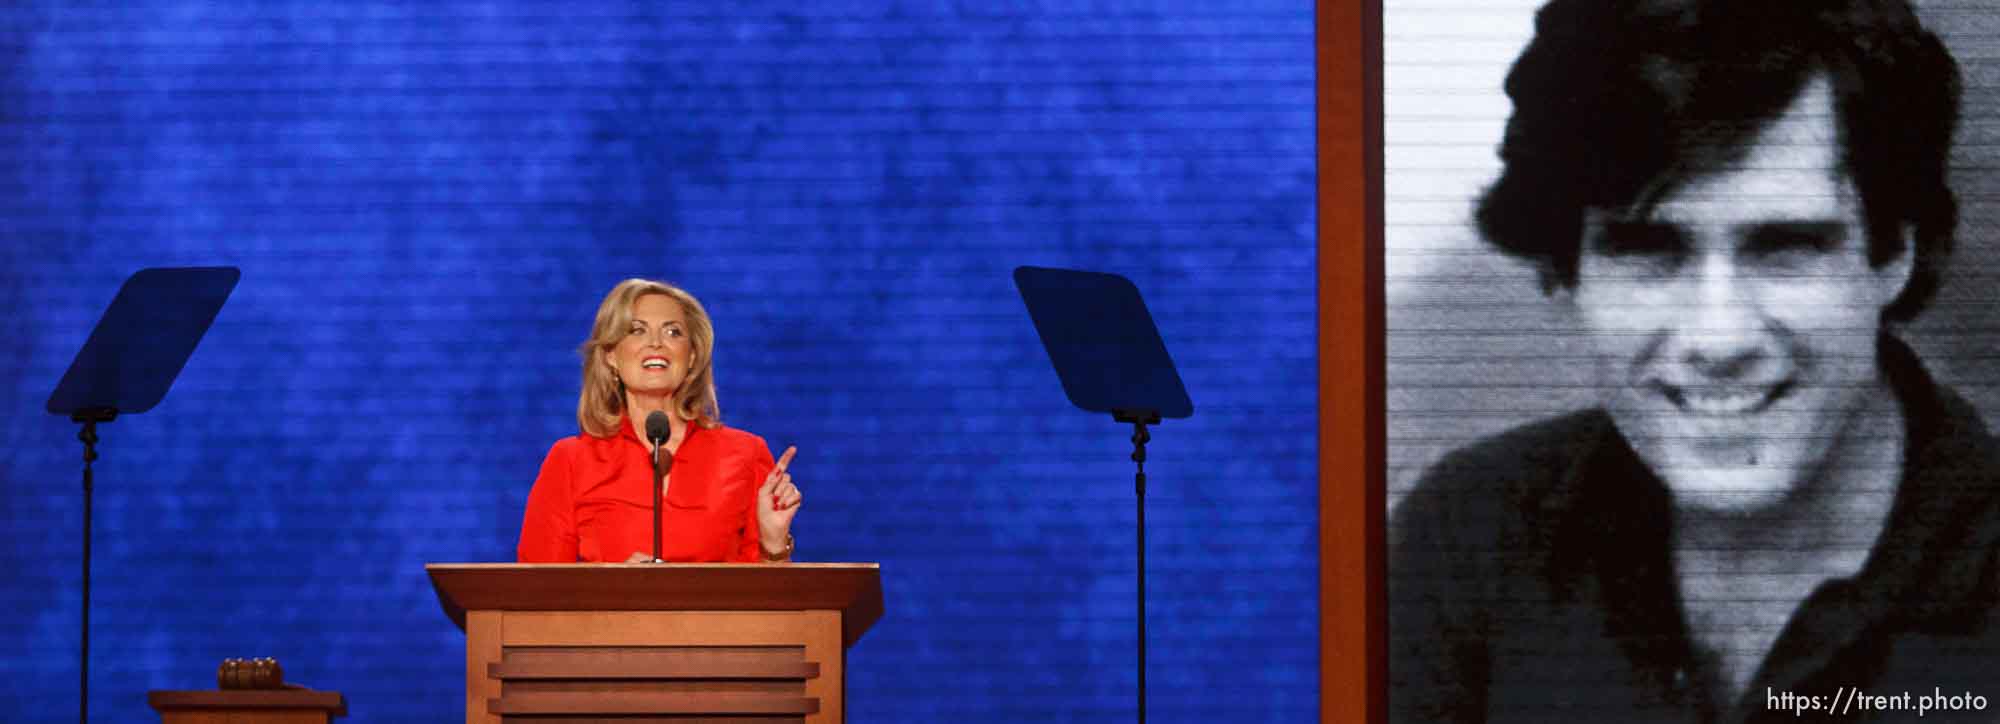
(1140, 419)
(88, 417)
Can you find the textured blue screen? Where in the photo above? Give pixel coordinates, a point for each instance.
(427, 201)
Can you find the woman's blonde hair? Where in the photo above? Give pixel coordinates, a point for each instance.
(602, 401)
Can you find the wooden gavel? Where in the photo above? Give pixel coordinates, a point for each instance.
(250, 674)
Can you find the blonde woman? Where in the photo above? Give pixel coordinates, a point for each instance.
(651, 349)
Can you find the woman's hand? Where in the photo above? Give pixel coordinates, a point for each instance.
(639, 557)
(777, 502)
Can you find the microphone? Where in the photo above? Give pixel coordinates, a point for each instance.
(658, 431)
(656, 427)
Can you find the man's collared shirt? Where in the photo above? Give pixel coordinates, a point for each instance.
(1531, 579)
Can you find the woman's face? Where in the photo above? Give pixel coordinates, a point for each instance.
(656, 355)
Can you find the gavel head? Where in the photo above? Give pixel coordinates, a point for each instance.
(262, 673)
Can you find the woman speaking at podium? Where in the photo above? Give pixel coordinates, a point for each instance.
(651, 350)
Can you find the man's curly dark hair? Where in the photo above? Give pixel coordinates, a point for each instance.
(1616, 98)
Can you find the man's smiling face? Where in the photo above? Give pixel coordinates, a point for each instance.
(1735, 320)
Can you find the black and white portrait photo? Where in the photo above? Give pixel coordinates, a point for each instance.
(1693, 345)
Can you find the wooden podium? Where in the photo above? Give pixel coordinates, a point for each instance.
(657, 642)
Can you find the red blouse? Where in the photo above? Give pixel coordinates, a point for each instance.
(593, 500)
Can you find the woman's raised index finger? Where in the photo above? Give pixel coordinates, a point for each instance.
(786, 459)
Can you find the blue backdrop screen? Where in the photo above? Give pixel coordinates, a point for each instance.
(428, 200)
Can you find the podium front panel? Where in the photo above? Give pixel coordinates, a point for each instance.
(748, 666)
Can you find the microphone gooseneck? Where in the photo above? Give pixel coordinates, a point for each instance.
(658, 431)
